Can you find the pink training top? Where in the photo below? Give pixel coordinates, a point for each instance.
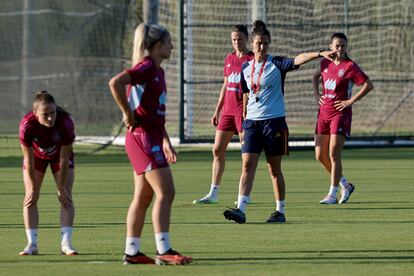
(46, 141)
(147, 95)
(337, 82)
(233, 97)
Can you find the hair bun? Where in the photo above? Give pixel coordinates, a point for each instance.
(259, 24)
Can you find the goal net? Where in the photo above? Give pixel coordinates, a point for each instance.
(69, 48)
(381, 41)
(73, 48)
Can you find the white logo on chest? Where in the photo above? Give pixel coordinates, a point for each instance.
(330, 84)
(341, 73)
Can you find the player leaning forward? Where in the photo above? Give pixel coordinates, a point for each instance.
(265, 126)
(46, 137)
(147, 144)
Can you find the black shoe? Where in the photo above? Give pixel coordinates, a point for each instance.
(276, 217)
(235, 214)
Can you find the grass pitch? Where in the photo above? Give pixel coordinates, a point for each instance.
(370, 235)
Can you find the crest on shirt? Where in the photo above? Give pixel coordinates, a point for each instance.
(157, 79)
(56, 137)
(341, 73)
(326, 70)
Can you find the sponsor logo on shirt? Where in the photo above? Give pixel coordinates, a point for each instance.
(162, 101)
(234, 78)
(48, 151)
(330, 84)
(329, 96)
(163, 98)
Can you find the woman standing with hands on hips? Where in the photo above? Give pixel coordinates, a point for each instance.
(335, 113)
(147, 144)
(230, 105)
(265, 126)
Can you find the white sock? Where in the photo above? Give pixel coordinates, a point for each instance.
(332, 191)
(66, 234)
(343, 182)
(31, 236)
(132, 245)
(280, 206)
(213, 191)
(162, 241)
(242, 202)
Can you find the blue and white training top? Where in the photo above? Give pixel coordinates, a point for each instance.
(268, 102)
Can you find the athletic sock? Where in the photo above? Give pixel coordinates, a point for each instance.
(213, 191)
(333, 190)
(242, 202)
(280, 206)
(66, 234)
(343, 182)
(31, 236)
(162, 241)
(132, 245)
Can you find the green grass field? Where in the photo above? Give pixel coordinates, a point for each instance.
(373, 234)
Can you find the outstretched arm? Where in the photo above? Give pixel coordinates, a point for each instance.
(306, 57)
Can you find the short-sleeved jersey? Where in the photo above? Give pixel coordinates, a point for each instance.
(233, 97)
(147, 95)
(46, 141)
(337, 82)
(268, 102)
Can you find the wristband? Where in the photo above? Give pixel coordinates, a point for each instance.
(319, 53)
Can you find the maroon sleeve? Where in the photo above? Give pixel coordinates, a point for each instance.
(25, 133)
(226, 60)
(68, 131)
(324, 64)
(141, 72)
(358, 76)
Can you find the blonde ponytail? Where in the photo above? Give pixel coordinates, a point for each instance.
(145, 37)
(138, 52)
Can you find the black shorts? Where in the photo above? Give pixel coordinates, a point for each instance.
(270, 135)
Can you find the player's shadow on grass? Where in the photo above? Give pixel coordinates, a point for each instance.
(378, 208)
(332, 256)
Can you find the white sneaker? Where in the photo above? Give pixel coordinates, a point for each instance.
(249, 200)
(329, 200)
(346, 193)
(30, 249)
(206, 200)
(68, 250)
